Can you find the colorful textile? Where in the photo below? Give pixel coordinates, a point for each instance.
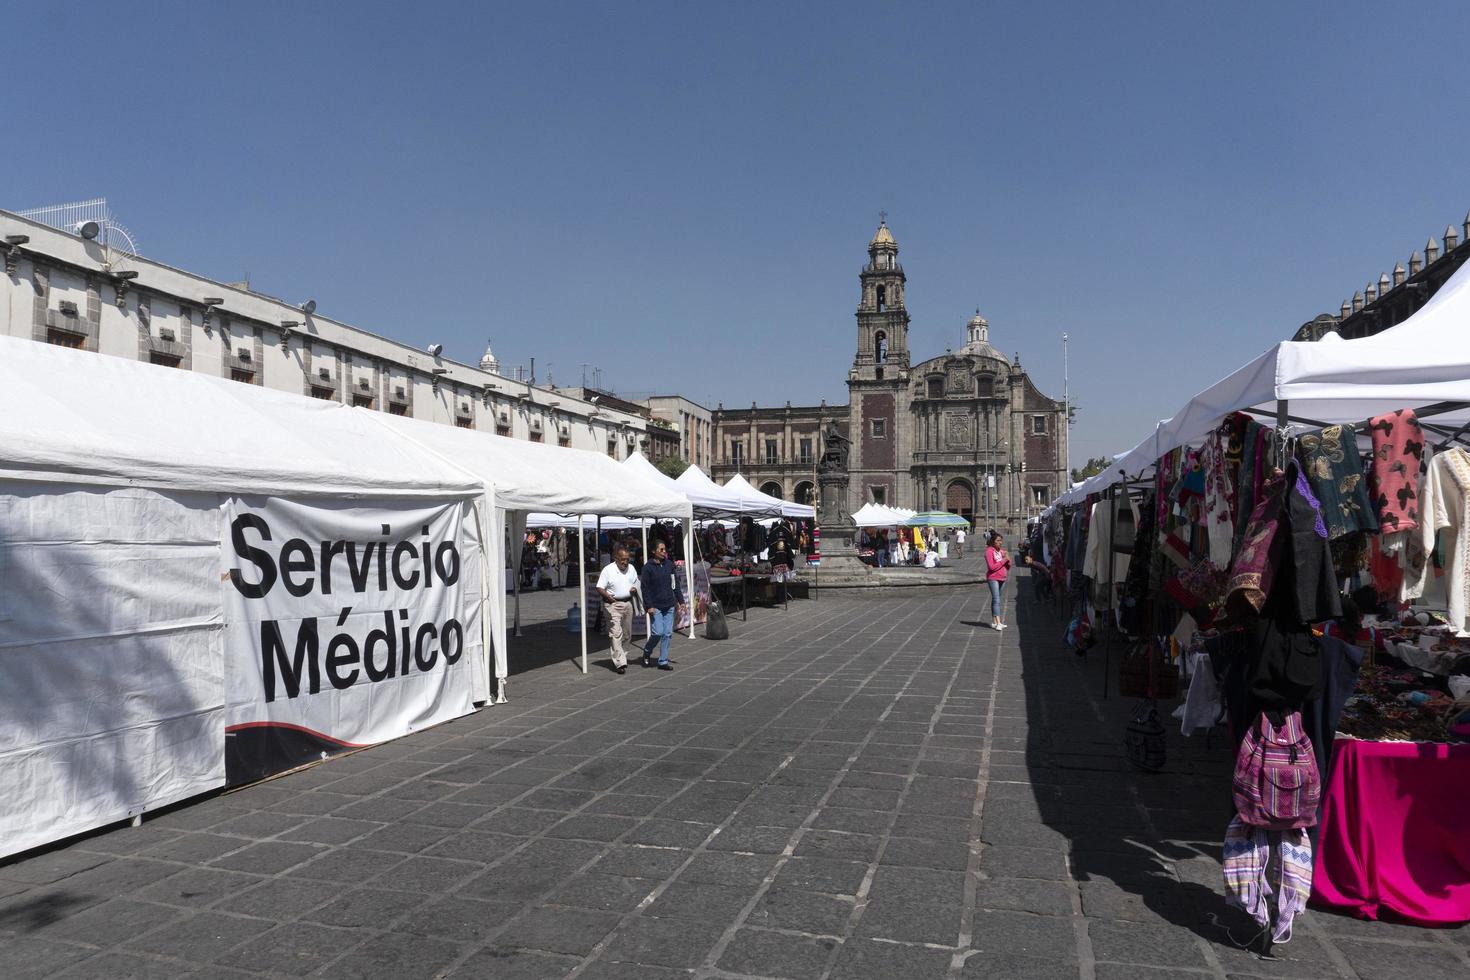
(1395, 832)
(1276, 784)
(1397, 468)
(1247, 855)
(1219, 520)
(1254, 568)
(1447, 509)
(1248, 483)
(1333, 468)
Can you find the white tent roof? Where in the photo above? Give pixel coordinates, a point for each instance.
(534, 476)
(789, 508)
(707, 495)
(1422, 361)
(82, 417)
(880, 515)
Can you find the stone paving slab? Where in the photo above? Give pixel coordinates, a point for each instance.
(864, 785)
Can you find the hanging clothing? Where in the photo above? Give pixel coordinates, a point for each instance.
(1335, 472)
(1247, 854)
(1448, 486)
(1254, 569)
(1311, 573)
(1396, 471)
(1253, 478)
(1202, 707)
(1218, 516)
(1340, 663)
(1107, 516)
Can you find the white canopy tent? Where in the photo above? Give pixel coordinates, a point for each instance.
(787, 508)
(714, 500)
(114, 481)
(1422, 363)
(880, 515)
(534, 477)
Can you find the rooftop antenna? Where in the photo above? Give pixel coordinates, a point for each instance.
(92, 220)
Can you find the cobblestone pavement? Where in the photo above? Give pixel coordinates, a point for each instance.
(866, 785)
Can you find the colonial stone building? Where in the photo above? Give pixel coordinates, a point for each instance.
(62, 288)
(966, 431)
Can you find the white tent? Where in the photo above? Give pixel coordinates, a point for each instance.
(121, 626)
(530, 477)
(115, 482)
(788, 508)
(1421, 363)
(713, 499)
(880, 515)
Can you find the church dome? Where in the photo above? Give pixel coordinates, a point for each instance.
(488, 361)
(883, 236)
(978, 322)
(977, 338)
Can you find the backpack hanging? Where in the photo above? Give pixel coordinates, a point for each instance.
(1276, 783)
(1143, 740)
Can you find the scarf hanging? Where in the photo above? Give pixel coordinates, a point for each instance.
(1332, 466)
(1397, 469)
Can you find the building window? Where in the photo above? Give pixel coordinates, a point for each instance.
(936, 387)
(612, 448)
(737, 452)
(880, 347)
(878, 374)
(880, 494)
(244, 377)
(880, 428)
(65, 338)
(397, 408)
(771, 457)
(325, 394)
(564, 438)
(535, 436)
(1038, 495)
(464, 423)
(1038, 425)
(882, 297)
(502, 428)
(163, 359)
(806, 452)
(362, 401)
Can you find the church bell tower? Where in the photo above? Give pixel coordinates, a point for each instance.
(882, 320)
(877, 411)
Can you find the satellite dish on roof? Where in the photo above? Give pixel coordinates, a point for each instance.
(87, 229)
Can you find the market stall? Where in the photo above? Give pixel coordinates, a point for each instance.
(1220, 552)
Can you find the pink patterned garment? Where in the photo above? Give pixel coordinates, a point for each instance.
(1398, 465)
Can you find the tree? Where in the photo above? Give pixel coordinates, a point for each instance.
(671, 466)
(1092, 467)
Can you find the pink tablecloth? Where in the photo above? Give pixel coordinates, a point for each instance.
(1395, 832)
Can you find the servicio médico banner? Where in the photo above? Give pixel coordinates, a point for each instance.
(345, 625)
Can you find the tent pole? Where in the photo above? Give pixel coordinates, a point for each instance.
(1112, 599)
(582, 585)
(689, 568)
(517, 547)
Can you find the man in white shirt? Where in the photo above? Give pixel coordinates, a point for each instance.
(617, 585)
(959, 543)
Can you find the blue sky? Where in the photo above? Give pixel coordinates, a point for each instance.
(682, 193)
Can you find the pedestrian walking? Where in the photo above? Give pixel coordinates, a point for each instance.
(661, 597)
(997, 564)
(959, 543)
(618, 586)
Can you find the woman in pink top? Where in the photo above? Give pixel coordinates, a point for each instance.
(998, 564)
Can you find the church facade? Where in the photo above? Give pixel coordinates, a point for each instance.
(966, 431)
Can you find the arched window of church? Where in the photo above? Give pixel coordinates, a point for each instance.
(882, 297)
(936, 387)
(880, 345)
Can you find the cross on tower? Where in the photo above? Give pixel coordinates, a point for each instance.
(882, 217)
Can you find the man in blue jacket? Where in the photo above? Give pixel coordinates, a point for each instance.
(661, 596)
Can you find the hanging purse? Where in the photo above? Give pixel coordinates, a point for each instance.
(1143, 740)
